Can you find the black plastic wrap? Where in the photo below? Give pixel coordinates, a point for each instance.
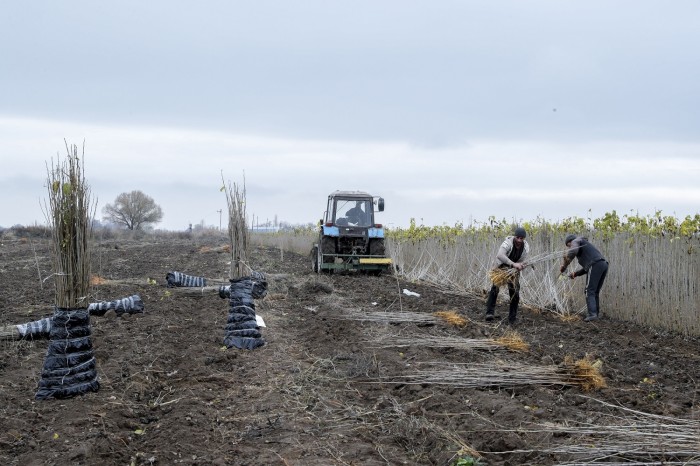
(242, 330)
(177, 279)
(36, 329)
(243, 342)
(129, 305)
(69, 366)
(259, 290)
(42, 328)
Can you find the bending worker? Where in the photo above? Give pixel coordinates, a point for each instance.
(593, 264)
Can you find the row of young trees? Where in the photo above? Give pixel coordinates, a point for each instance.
(654, 263)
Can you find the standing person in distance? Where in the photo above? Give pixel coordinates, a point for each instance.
(593, 264)
(511, 255)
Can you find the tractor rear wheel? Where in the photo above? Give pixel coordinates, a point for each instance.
(328, 247)
(376, 247)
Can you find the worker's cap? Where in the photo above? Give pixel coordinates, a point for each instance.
(520, 231)
(569, 238)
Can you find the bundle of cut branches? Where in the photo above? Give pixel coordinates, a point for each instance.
(415, 317)
(501, 375)
(501, 277)
(545, 257)
(585, 372)
(628, 437)
(510, 341)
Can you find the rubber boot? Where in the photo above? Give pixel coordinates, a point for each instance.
(512, 316)
(491, 303)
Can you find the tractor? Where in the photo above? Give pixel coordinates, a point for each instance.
(349, 238)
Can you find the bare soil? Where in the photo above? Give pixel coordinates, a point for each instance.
(325, 389)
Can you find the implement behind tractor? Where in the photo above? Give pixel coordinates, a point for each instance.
(349, 239)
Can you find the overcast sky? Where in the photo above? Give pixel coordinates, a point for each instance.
(450, 110)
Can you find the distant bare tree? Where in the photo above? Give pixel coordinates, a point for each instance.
(133, 210)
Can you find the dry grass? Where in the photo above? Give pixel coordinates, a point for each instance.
(569, 317)
(452, 318)
(513, 341)
(96, 280)
(219, 249)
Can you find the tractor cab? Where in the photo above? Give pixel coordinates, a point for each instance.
(349, 237)
(349, 211)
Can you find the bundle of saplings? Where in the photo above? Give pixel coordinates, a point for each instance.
(242, 330)
(69, 366)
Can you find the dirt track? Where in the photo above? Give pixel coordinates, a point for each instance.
(325, 389)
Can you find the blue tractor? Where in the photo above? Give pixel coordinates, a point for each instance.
(349, 238)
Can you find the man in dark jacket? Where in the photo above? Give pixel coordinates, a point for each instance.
(357, 216)
(511, 255)
(593, 264)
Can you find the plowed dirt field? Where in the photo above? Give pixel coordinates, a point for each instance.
(353, 372)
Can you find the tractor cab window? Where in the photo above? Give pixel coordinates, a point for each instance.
(353, 212)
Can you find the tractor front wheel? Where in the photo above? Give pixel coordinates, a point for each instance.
(328, 249)
(314, 259)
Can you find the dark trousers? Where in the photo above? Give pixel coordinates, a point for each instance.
(513, 292)
(594, 282)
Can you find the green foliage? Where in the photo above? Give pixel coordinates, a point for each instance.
(608, 225)
(466, 461)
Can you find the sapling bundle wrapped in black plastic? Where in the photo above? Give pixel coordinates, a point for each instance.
(69, 366)
(259, 287)
(176, 279)
(129, 305)
(242, 330)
